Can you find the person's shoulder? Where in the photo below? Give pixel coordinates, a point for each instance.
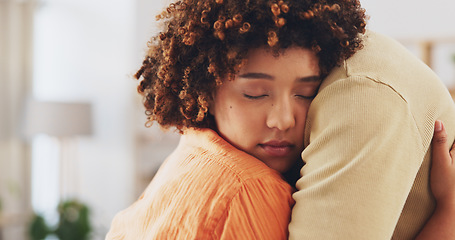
(225, 172)
(222, 177)
(212, 156)
(205, 168)
(200, 183)
(384, 63)
(386, 60)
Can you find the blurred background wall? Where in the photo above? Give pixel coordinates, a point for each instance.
(67, 51)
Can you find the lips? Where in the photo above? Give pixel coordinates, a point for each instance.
(277, 148)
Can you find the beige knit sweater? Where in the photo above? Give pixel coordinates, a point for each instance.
(368, 133)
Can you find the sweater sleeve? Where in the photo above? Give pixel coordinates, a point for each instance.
(364, 153)
(260, 210)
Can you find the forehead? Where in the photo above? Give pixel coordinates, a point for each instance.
(294, 59)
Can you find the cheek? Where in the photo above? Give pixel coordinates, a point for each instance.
(240, 124)
(304, 116)
(301, 119)
(240, 127)
(243, 117)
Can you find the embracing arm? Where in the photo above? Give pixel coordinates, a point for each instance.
(441, 224)
(363, 157)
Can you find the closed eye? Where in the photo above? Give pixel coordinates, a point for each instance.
(306, 97)
(255, 96)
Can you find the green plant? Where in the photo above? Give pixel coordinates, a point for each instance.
(38, 228)
(74, 223)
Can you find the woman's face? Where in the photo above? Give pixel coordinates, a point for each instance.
(263, 110)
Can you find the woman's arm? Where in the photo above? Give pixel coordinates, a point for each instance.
(442, 177)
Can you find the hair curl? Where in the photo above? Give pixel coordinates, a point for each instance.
(206, 42)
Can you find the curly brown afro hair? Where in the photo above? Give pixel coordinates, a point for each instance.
(206, 42)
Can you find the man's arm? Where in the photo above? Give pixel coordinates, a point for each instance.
(364, 153)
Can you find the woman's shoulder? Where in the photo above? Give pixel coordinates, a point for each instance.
(207, 168)
(227, 187)
(207, 188)
(205, 152)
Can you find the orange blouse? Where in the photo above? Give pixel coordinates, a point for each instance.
(208, 189)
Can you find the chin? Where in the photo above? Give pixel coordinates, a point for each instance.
(282, 168)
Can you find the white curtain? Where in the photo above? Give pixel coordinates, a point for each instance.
(16, 30)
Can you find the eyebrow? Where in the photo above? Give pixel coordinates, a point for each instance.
(310, 79)
(254, 75)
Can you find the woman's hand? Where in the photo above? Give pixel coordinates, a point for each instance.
(442, 173)
(442, 182)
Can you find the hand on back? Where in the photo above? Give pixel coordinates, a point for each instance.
(442, 175)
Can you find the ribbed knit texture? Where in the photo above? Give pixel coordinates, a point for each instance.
(367, 163)
(208, 189)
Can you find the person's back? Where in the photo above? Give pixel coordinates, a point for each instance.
(369, 132)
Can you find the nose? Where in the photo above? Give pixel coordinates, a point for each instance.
(281, 115)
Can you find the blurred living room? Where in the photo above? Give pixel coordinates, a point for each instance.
(73, 146)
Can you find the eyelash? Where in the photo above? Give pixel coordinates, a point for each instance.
(262, 96)
(254, 97)
(306, 97)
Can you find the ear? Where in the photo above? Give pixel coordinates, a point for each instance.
(211, 103)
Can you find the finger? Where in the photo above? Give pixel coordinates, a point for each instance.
(452, 152)
(440, 152)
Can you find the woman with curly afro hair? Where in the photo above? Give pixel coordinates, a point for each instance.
(236, 79)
